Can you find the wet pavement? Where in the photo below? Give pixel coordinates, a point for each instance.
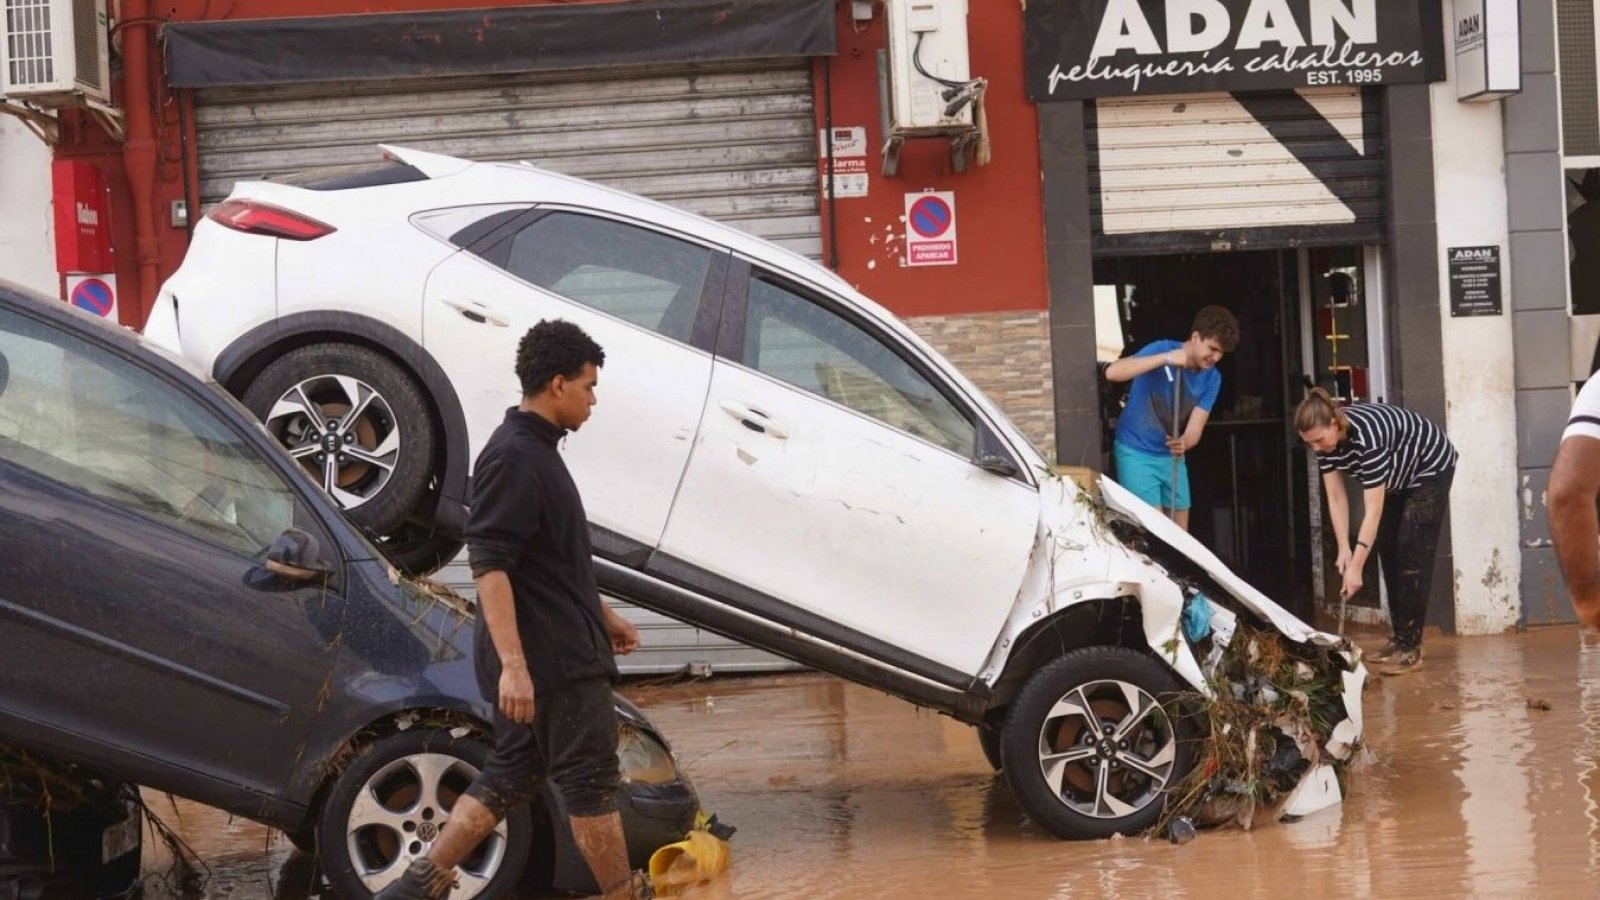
(840, 791)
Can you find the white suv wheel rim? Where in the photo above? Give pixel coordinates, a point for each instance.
(1107, 749)
(343, 431)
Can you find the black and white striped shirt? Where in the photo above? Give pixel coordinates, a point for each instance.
(1389, 446)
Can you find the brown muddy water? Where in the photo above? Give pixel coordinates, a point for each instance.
(840, 791)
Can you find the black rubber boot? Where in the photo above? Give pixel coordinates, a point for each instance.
(422, 881)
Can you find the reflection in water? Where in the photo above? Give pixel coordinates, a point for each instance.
(839, 791)
(1496, 743)
(1587, 750)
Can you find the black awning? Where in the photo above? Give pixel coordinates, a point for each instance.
(490, 41)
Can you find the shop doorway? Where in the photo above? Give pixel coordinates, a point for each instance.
(1253, 489)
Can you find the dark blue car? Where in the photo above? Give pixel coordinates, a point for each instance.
(181, 608)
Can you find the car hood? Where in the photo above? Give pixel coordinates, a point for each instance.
(1159, 526)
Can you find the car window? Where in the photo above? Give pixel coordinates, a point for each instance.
(87, 418)
(791, 338)
(640, 276)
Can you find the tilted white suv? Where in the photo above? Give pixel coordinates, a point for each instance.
(775, 457)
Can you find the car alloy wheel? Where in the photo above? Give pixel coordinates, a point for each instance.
(343, 431)
(360, 424)
(1107, 749)
(390, 804)
(399, 815)
(1096, 741)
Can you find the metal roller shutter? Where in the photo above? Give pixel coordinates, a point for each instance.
(1580, 88)
(1199, 167)
(733, 142)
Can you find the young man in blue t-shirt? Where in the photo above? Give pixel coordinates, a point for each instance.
(1145, 443)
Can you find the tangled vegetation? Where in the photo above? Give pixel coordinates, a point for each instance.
(1269, 721)
(37, 783)
(57, 790)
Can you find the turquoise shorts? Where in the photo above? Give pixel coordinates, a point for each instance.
(1149, 477)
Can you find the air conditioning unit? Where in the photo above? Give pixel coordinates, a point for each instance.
(927, 60)
(55, 52)
(930, 89)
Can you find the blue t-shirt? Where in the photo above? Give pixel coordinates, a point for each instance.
(1146, 421)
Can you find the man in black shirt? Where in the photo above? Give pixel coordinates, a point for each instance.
(545, 641)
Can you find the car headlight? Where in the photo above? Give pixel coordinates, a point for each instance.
(642, 759)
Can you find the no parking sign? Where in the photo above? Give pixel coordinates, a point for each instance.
(931, 229)
(94, 293)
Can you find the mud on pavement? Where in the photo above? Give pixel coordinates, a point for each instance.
(839, 791)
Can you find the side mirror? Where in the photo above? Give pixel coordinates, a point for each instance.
(992, 456)
(999, 465)
(296, 556)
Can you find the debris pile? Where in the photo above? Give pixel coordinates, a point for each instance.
(423, 595)
(1276, 714)
(42, 784)
(56, 790)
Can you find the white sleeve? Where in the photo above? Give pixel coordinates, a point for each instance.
(1585, 418)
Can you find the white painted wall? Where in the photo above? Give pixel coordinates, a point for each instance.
(1479, 371)
(27, 234)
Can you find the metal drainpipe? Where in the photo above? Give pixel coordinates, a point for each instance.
(827, 129)
(139, 148)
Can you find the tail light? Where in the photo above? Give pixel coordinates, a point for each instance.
(254, 217)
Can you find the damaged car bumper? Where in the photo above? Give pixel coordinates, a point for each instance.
(1280, 700)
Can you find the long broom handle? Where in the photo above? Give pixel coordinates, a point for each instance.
(1177, 392)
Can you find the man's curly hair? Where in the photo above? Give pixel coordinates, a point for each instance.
(1216, 322)
(554, 347)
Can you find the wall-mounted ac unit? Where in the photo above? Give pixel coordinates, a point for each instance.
(927, 56)
(930, 89)
(54, 52)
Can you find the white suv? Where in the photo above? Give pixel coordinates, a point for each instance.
(775, 457)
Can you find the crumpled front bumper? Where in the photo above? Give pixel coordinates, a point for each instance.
(1319, 787)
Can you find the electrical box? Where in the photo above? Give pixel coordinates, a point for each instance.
(928, 64)
(54, 52)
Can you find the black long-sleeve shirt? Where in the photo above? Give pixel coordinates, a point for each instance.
(528, 521)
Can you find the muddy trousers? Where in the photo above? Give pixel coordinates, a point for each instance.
(572, 741)
(1408, 537)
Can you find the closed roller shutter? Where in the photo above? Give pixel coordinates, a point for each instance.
(1180, 172)
(732, 142)
(1580, 88)
(735, 142)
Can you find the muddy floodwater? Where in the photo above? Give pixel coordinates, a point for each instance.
(840, 791)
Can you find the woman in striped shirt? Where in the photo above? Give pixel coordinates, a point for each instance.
(1405, 464)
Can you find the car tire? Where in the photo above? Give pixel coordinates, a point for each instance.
(380, 814)
(989, 740)
(418, 550)
(301, 392)
(304, 840)
(1089, 747)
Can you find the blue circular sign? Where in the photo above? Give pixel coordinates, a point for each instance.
(930, 217)
(93, 295)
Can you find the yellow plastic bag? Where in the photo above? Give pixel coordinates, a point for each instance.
(701, 856)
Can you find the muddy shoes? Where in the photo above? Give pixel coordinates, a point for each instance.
(1383, 654)
(1403, 662)
(422, 881)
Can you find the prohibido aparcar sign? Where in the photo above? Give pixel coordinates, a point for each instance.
(1080, 49)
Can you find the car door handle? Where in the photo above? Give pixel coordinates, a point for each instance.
(755, 419)
(474, 311)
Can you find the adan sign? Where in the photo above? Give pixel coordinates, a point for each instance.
(1080, 49)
